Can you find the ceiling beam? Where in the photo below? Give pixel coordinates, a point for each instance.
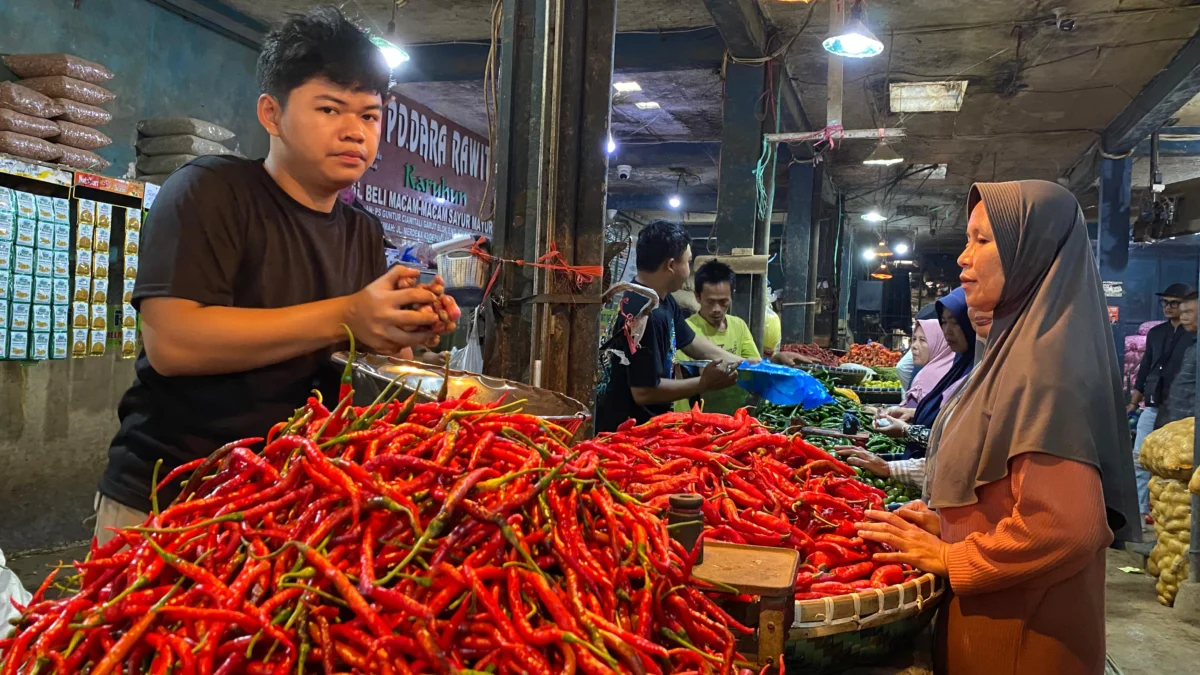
(746, 35)
(682, 154)
(658, 202)
(1154, 105)
(220, 18)
(641, 52)
(1173, 142)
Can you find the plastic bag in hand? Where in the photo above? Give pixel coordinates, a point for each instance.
(782, 385)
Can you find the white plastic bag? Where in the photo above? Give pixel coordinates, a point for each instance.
(470, 358)
(11, 591)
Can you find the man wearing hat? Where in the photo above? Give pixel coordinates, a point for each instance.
(1166, 346)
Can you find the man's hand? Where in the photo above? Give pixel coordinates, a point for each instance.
(1135, 400)
(895, 428)
(376, 317)
(898, 413)
(791, 359)
(864, 459)
(718, 376)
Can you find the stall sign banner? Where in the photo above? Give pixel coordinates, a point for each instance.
(1114, 289)
(429, 177)
(1114, 314)
(129, 188)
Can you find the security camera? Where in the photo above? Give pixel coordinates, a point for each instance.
(624, 171)
(1063, 23)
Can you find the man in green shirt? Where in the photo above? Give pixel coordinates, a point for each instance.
(714, 291)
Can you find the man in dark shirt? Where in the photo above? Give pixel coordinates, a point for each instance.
(1181, 403)
(250, 269)
(1166, 345)
(640, 384)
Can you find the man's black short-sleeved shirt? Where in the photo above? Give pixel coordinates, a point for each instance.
(222, 232)
(667, 330)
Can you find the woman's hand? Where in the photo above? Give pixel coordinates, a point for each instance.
(902, 414)
(864, 459)
(919, 514)
(913, 545)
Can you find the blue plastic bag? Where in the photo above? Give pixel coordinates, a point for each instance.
(782, 385)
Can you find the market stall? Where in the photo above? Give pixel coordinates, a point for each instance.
(432, 533)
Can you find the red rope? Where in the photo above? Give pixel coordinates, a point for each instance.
(554, 261)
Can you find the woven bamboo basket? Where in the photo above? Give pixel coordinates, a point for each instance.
(832, 634)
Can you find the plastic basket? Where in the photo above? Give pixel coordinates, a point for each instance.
(461, 270)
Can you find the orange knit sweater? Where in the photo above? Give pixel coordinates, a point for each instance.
(1027, 574)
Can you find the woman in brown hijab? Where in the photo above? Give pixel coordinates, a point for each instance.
(1030, 470)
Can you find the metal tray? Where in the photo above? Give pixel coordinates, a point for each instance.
(872, 395)
(843, 376)
(373, 372)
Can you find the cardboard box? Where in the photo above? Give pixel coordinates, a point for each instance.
(45, 208)
(43, 290)
(81, 315)
(99, 291)
(133, 240)
(41, 346)
(60, 344)
(62, 237)
(127, 293)
(99, 317)
(23, 259)
(5, 282)
(26, 206)
(62, 291)
(22, 288)
(96, 342)
(102, 239)
(83, 263)
(99, 265)
(62, 264)
(44, 264)
(103, 214)
(45, 234)
(131, 266)
(43, 317)
(62, 317)
(133, 220)
(79, 343)
(128, 316)
(18, 345)
(83, 289)
(129, 343)
(18, 318)
(62, 210)
(26, 232)
(6, 256)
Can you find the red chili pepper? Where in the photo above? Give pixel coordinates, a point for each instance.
(887, 575)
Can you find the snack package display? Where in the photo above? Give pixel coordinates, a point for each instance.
(43, 290)
(81, 316)
(102, 236)
(131, 266)
(3, 343)
(79, 343)
(103, 214)
(128, 316)
(45, 234)
(8, 227)
(23, 259)
(83, 289)
(99, 291)
(42, 317)
(19, 317)
(100, 266)
(62, 237)
(45, 207)
(96, 342)
(26, 231)
(62, 211)
(127, 294)
(18, 344)
(5, 314)
(45, 262)
(83, 263)
(62, 264)
(60, 344)
(6, 256)
(41, 346)
(99, 314)
(61, 317)
(46, 65)
(62, 290)
(26, 205)
(22, 288)
(129, 343)
(5, 280)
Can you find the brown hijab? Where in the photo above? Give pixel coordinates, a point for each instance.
(1049, 381)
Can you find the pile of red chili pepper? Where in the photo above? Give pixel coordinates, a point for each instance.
(823, 356)
(872, 355)
(395, 538)
(760, 488)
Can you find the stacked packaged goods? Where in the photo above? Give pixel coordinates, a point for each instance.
(1167, 454)
(51, 115)
(165, 144)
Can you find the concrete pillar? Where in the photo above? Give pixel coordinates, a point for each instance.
(1114, 230)
(796, 253)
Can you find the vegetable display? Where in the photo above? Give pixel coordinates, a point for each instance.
(823, 356)
(872, 355)
(449, 537)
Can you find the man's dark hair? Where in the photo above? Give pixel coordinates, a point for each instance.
(321, 43)
(713, 272)
(659, 242)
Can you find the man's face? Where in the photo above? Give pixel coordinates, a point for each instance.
(327, 134)
(714, 302)
(1187, 315)
(1170, 307)
(680, 269)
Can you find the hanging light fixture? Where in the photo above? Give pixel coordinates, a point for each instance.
(853, 39)
(391, 53)
(882, 273)
(883, 155)
(881, 250)
(874, 216)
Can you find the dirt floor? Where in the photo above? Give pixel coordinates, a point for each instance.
(1144, 638)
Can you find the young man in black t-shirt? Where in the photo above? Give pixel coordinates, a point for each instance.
(250, 268)
(640, 384)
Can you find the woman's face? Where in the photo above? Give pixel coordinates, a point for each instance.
(982, 273)
(955, 337)
(920, 347)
